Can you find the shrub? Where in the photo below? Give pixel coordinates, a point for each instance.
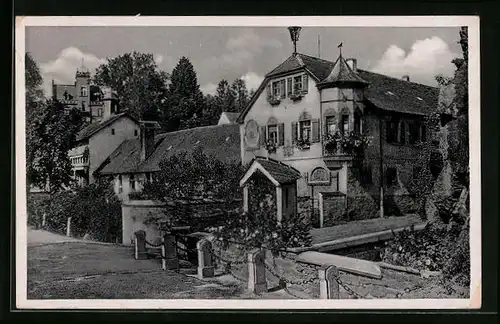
(36, 205)
(435, 248)
(94, 210)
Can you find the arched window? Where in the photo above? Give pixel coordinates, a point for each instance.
(344, 121)
(330, 122)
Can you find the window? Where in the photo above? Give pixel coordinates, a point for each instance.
(391, 131)
(345, 124)
(83, 91)
(331, 125)
(272, 131)
(357, 123)
(413, 133)
(120, 184)
(99, 112)
(289, 87)
(112, 131)
(135, 132)
(283, 88)
(276, 89)
(391, 176)
(305, 130)
(297, 84)
(132, 182)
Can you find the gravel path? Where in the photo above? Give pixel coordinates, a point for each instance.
(37, 237)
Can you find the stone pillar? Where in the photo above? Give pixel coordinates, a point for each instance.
(68, 227)
(328, 286)
(279, 204)
(257, 283)
(205, 261)
(170, 260)
(245, 198)
(140, 245)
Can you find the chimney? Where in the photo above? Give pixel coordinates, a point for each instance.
(148, 130)
(406, 77)
(352, 62)
(110, 103)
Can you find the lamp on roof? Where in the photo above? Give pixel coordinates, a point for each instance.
(294, 35)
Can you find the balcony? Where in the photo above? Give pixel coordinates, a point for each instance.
(79, 157)
(344, 147)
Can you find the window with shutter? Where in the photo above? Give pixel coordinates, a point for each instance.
(294, 132)
(305, 82)
(289, 86)
(263, 138)
(281, 134)
(272, 133)
(297, 84)
(268, 89)
(283, 88)
(315, 130)
(305, 130)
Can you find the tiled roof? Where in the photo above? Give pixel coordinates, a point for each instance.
(97, 126)
(281, 172)
(222, 141)
(395, 94)
(342, 73)
(408, 97)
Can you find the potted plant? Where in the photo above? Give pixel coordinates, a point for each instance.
(331, 143)
(297, 95)
(271, 146)
(303, 144)
(274, 100)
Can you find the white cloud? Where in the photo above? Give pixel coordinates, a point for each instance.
(244, 47)
(422, 63)
(252, 80)
(62, 70)
(209, 88)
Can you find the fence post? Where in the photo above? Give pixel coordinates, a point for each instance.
(205, 261)
(140, 245)
(328, 286)
(68, 227)
(257, 283)
(44, 220)
(170, 260)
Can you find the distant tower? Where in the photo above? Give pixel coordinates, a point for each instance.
(82, 84)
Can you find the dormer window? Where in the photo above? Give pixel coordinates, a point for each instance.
(83, 91)
(297, 84)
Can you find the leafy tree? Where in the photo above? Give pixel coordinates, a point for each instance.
(184, 100)
(240, 94)
(34, 92)
(140, 85)
(51, 134)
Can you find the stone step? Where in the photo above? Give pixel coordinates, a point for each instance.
(347, 264)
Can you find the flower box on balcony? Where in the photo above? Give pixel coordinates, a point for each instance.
(274, 100)
(271, 146)
(303, 144)
(345, 144)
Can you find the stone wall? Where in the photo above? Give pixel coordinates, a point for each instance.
(135, 212)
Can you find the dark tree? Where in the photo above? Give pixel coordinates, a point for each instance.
(184, 102)
(140, 85)
(240, 94)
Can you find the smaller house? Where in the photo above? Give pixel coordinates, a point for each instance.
(96, 141)
(228, 118)
(136, 160)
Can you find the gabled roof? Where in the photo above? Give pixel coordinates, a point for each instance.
(409, 97)
(222, 141)
(93, 128)
(277, 172)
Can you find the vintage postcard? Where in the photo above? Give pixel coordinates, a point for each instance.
(248, 162)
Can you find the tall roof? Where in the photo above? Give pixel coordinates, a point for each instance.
(278, 172)
(341, 73)
(93, 128)
(222, 141)
(387, 93)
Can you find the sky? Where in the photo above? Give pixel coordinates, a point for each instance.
(245, 52)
